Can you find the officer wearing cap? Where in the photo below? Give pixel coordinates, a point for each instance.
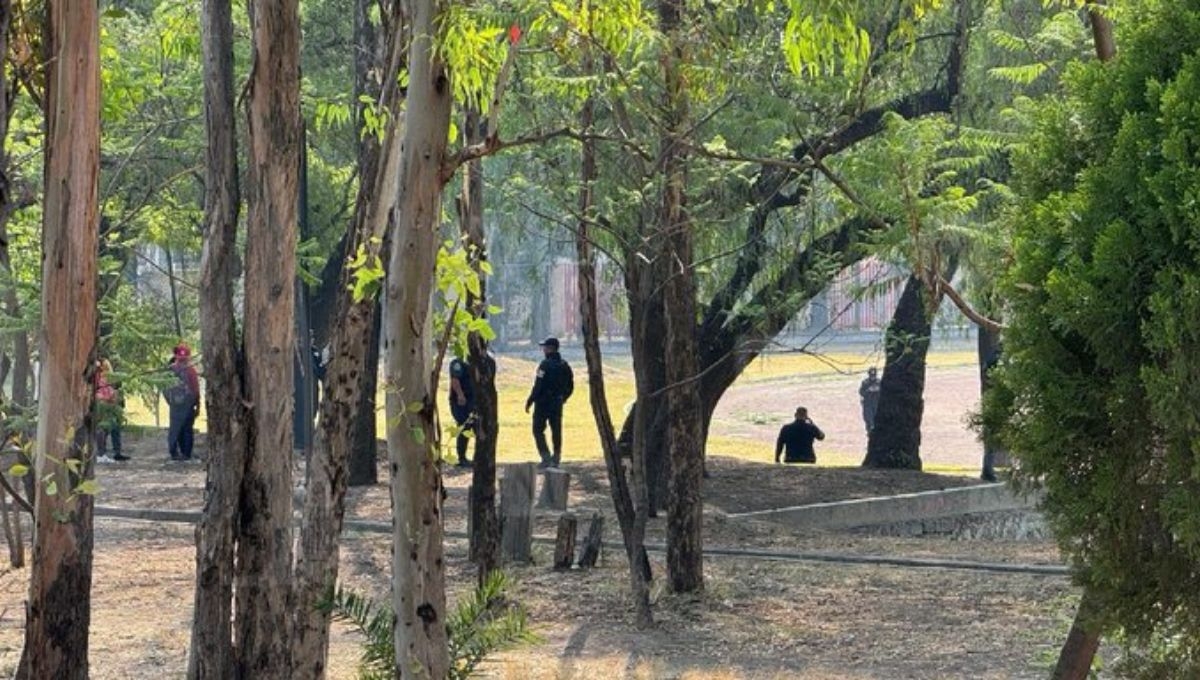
(551, 389)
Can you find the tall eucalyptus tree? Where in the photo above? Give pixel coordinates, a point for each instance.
(58, 612)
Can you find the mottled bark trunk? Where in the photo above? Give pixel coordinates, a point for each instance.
(58, 612)
(630, 517)
(1079, 649)
(212, 655)
(418, 568)
(895, 441)
(485, 527)
(346, 378)
(685, 560)
(263, 574)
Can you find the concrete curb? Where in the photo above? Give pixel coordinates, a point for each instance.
(902, 507)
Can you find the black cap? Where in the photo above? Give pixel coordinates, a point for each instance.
(549, 342)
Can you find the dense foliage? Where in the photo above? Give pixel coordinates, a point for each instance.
(1100, 383)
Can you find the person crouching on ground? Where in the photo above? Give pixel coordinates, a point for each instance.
(797, 438)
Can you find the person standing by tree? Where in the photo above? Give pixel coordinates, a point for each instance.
(551, 389)
(462, 406)
(110, 414)
(797, 438)
(868, 394)
(184, 407)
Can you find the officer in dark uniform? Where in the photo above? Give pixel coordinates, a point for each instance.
(551, 388)
(797, 438)
(462, 406)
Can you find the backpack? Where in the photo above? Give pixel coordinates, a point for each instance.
(568, 381)
(178, 394)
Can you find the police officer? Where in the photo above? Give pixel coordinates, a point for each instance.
(462, 407)
(551, 388)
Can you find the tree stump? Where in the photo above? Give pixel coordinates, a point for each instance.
(516, 512)
(555, 487)
(592, 544)
(564, 543)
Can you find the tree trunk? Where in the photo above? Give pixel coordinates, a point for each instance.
(630, 518)
(727, 344)
(418, 568)
(1102, 31)
(485, 529)
(212, 655)
(1075, 658)
(364, 453)
(264, 550)
(895, 441)
(346, 376)
(648, 330)
(728, 339)
(371, 61)
(685, 561)
(58, 612)
(988, 349)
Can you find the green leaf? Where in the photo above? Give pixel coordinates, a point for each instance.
(18, 470)
(88, 487)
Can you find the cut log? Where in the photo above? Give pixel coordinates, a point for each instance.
(564, 543)
(555, 486)
(516, 512)
(590, 553)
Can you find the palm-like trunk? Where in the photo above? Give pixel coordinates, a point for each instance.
(212, 655)
(59, 608)
(264, 549)
(418, 568)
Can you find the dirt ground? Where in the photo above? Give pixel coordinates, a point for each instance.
(757, 618)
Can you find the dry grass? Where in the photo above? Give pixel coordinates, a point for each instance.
(515, 377)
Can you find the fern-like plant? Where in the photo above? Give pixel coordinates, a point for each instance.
(483, 622)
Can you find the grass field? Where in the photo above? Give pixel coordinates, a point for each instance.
(580, 441)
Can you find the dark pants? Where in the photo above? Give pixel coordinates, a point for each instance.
(552, 414)
(102, 437)
(464, 417)
(181, 437)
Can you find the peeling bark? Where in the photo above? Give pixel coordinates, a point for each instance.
(58, 611)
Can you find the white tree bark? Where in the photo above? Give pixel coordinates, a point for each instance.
(418, 580)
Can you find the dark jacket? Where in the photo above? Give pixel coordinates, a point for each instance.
(554, 383)
(797, 437)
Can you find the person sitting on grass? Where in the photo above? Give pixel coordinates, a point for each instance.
(797, 437)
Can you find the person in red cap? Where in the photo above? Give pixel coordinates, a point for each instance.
(184, 400)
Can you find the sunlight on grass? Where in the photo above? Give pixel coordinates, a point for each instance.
(580, 441)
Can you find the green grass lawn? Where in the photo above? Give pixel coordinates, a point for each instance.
(580, 441)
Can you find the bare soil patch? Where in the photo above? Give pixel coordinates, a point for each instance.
(757, 619)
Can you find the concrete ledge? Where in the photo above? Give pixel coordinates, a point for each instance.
(890, 509)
